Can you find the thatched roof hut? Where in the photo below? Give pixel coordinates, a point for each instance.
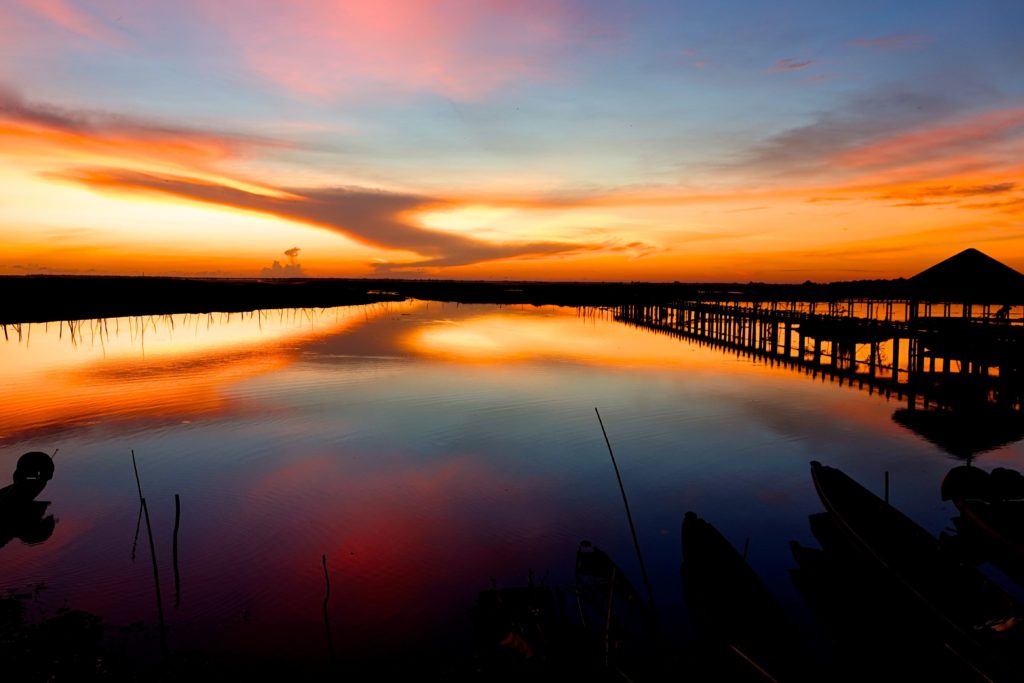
(969, 277)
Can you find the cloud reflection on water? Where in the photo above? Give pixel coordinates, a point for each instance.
(155, 369)
(424, 448)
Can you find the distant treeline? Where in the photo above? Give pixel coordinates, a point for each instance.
(49, 298)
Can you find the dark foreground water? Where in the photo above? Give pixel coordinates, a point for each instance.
(430, 451)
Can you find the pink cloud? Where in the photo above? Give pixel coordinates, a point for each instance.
(903, 41)
(938, 142)
(462, 49)
(65, 15)
(790, 65)
(822, 78)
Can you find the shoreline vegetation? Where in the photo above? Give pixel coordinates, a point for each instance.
(50, 298)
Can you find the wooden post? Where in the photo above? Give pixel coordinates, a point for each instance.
(896, 358)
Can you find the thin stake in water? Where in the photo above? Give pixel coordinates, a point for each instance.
(156, 581)
(629, 515)
(138, 484)
(174, 551)
(138, 521)
(138, 527)
(327, 621)
(152, 555)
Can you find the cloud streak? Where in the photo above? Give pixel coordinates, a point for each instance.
(372, 217)
(949, 191)
(902, 41)
(126, 134)
(890, 138)
(43, 132)
(784, 65)
(118, 153)
(971, 134)
(66, 17)
(809, 147)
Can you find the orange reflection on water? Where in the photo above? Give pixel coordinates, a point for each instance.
(566, 335)
(163, 368)
(554, 334)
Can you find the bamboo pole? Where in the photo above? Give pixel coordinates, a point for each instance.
(629, 515)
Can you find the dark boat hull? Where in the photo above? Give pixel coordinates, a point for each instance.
(975, 618)
(619, 622)
(733, 611)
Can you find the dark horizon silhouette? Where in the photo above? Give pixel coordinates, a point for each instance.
(968, 276)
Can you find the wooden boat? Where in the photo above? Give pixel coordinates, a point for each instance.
(1002, 523)
(33, 471)
(28, 523)
(991, 510)
(965, 481)
(976, 618)
(619, 622)
(732, 609)
(21, 515)
(848, 595)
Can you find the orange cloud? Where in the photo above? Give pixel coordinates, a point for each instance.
(39, 132)
(953, 189)
(938, 192)
(1014, 205)
(593, 232)
(112, 153)
(950, 162)
(383, 219)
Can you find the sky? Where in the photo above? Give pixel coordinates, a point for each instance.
(510, 139)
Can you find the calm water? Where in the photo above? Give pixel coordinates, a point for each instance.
(429, 450)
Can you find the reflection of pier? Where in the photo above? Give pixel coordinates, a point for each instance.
(938, 355)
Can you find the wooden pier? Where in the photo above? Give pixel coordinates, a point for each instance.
(937, 355)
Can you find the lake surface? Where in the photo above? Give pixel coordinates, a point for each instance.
(429, 450)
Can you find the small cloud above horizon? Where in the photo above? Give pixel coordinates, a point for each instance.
(277, 270)
(292, 269)
(902, 41)
(789, 64)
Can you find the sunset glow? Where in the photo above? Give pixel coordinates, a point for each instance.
(528, 140)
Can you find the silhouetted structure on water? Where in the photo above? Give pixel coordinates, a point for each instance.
(951, 345)
(21, 515)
